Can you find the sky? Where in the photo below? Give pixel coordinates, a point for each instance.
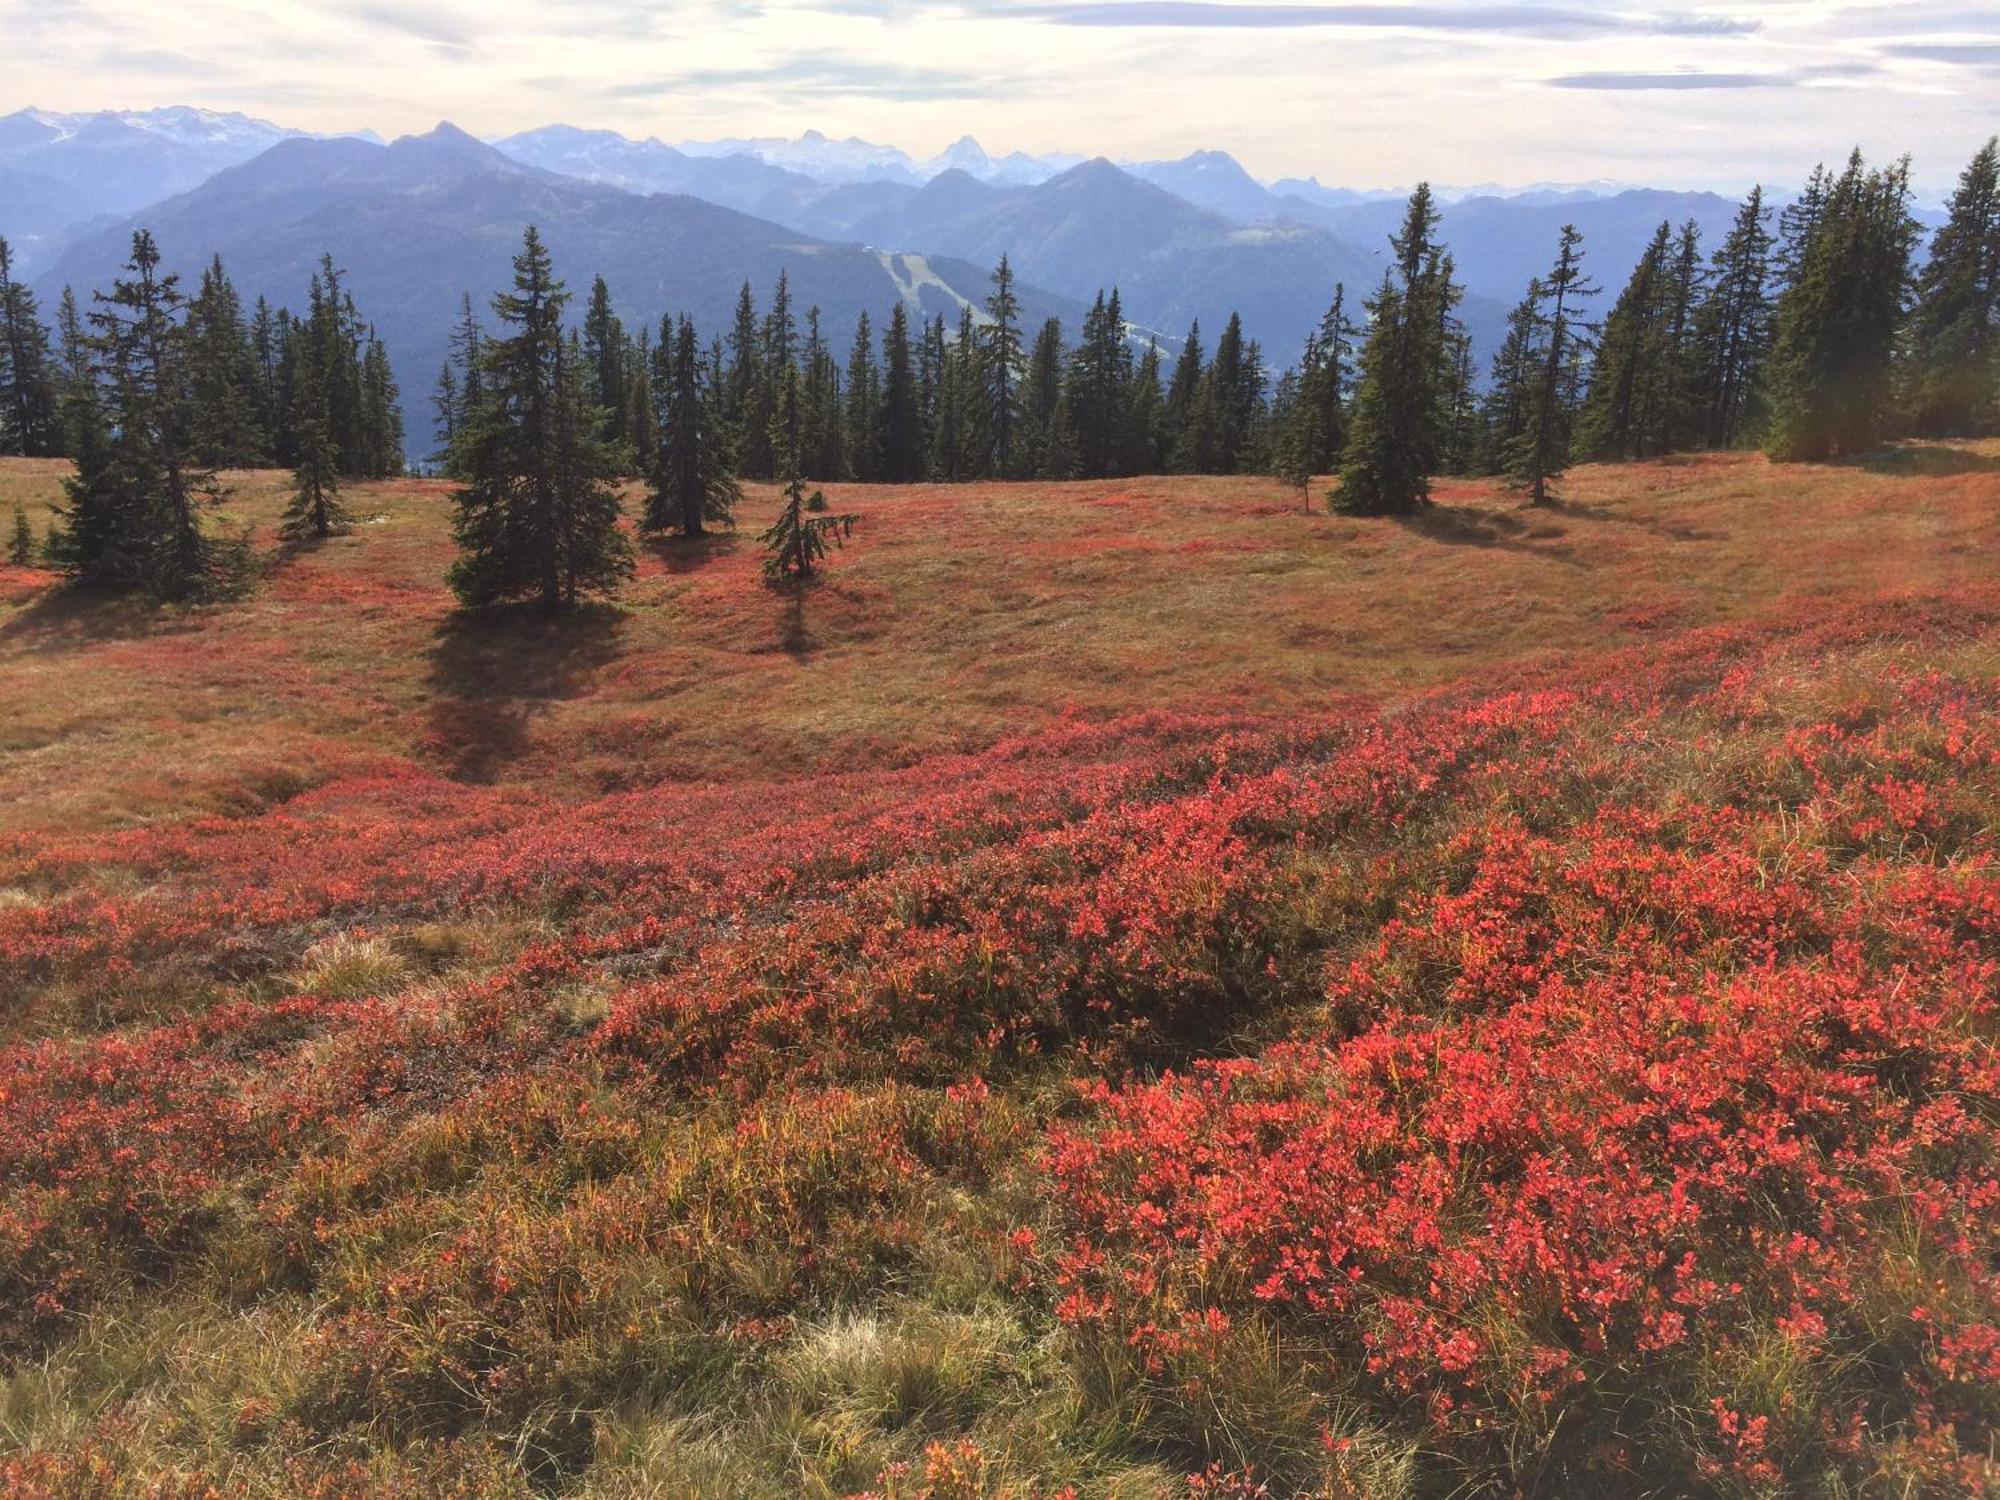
(1716, 94)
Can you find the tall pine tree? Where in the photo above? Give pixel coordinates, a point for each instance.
(28, 415)
(1396, 425)
(538, 516)
(1954, 336)
(1832, 360)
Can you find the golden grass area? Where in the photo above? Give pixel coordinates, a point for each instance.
(955, 616)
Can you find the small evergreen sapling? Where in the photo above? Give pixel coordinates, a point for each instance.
(315, 512)
(799, 539)
(21, 545)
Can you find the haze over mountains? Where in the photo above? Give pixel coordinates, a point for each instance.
(855, 225)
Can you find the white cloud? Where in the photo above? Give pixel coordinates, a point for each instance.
(1669, 91)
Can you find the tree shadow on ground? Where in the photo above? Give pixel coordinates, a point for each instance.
(1526, 532)
(680, 554)
(493, 670)
(795, 638)
(1673, 531)
(67, 616)
(1926, 461)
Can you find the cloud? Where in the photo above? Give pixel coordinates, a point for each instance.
(440, 29)
(1521, 20)
(1697, 78)
(1974, 53)
(1690, 79)
(832, 77)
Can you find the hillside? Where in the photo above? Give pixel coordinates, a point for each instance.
(425, 219)
(1127, 986)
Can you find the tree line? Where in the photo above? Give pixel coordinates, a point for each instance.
(1817, 339)
(151, 391)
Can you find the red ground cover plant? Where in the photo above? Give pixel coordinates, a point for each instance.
(1582, 1084)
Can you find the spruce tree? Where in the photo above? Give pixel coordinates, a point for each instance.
(1832, 360)
(467, 353)
(315, 511)
(1541, 452)
(1099, 370)
(604, 354)
(445, 410)
(138, 499)
(1954, 335)
(691, 483)
(1187, 437)
(1003, 365)
(538, 516)
(223, 373)
(1633, 362)
(21, 545)
(746, 390)
(1462, 445)
(1049, 439)
(1320, 416)
(900, 440)
(1144, 434)
(864, 403)
(380, 438)
(1504, 413)
(798, 540)
(821, 450)
(1732, 331)
(28, 416)
(1396, 425)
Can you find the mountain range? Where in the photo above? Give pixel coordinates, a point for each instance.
(856, 226)
(419, 222)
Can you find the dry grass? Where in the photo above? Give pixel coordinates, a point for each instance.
(955, 617)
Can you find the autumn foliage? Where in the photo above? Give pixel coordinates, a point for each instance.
(1579, 1080)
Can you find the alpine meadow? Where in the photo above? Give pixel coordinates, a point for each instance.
(710, 809)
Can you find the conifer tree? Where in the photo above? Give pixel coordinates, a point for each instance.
(960, 444)
(445, 409)
(538, 517)
(380, 437)
(1541, 452)
(1395, 426)
(746, 390)
(1504, 413)
(315, 511)
(1099, 369)
(1316, 424)
(1003, 365)
(604, 354)
(864, 404)
(1832, 358)
(691, 483)
(1188, 423)
(267, 346)
(1142, 450)
(28, 414)
(138, 499)
(467, 353)
(900, 443)
(822, 451)
(21, 545)
(1049, 439)
(798, 540)
(1232, 392)
(1954, 336)
(1633, 362)
(1462, 445)
(1732, 331)
(222, 363)
(641, 427)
